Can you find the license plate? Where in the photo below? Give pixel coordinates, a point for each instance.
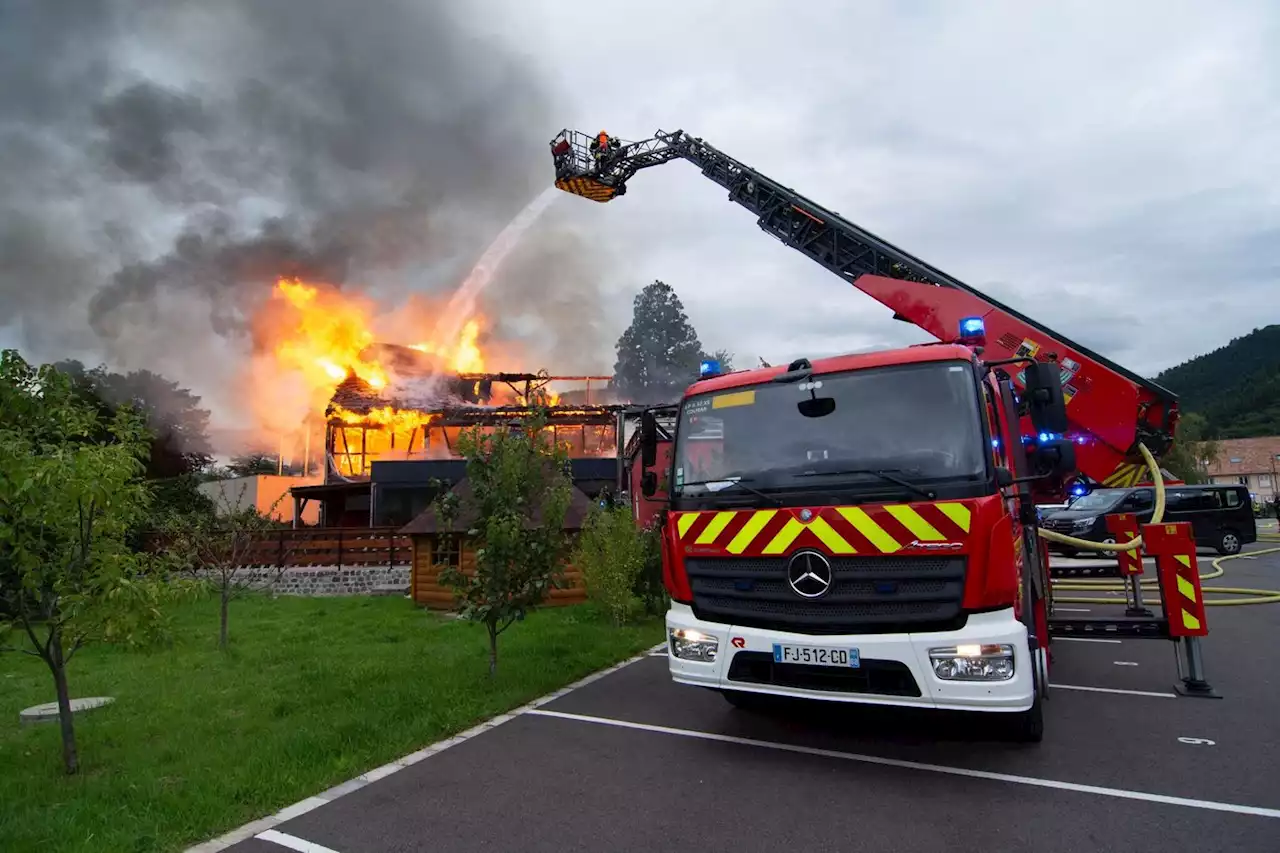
(816, 655)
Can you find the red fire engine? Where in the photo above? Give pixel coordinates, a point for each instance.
(862, 528)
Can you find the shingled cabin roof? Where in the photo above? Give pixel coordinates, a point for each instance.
(428, 522)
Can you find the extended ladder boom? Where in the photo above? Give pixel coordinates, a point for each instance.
(1111, 408)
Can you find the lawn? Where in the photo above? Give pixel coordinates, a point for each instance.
(311, 693)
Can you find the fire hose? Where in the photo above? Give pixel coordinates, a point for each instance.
(1252, 596)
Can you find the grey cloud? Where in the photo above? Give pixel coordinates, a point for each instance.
(163, 163)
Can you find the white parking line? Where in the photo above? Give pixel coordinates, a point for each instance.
(293, 842)
(1115, 690)
(1033, 781)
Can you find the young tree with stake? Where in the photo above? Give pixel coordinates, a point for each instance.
(520, 493)
(69, 488)
(217, 550)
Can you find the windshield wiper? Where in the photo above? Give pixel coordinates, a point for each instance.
(732, 481)
(883, 474)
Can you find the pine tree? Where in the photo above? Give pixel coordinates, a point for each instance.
(659, 353)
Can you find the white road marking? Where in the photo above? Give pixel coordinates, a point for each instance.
(1197, 741)
(1125, 662)
(1115, 690)
(1033, 781)
(1086, 640)
(293, 842)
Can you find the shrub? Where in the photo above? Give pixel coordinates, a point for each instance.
(611, 554)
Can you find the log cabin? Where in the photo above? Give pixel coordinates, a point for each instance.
(431, 549)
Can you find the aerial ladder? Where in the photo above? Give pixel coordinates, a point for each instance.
(1112, 410)
(1120, 423)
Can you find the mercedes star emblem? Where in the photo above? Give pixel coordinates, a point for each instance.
(806, 514)
(809, 574)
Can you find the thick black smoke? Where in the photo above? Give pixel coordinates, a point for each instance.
(162, 162)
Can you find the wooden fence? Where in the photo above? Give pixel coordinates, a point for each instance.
(344, 547)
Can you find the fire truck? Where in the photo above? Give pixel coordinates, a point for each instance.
(862, 528)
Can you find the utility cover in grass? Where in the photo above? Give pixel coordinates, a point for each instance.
(48, 712)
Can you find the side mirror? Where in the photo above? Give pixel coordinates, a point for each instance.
(648, 484)
(1055, 458)
(1045, 403)
(648, 440)
(1004, 477)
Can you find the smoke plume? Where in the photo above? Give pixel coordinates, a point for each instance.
(162, 162)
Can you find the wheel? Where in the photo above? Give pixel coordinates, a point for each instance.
(1028, 726)
(1228, 543)
(1110, 540)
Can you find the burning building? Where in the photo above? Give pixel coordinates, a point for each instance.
(394, 413)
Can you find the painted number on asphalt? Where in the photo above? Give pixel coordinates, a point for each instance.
(1196, 741)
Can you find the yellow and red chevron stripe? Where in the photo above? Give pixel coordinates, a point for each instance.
(881, 529)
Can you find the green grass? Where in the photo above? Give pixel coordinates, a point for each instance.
(312, 693)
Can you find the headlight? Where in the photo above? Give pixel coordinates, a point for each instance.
(688, 644)
(973, 662)
(1083, 524)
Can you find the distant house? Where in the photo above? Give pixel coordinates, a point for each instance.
(431, 549)
(1252, 462)
(267, 493)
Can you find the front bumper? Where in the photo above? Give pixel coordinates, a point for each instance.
(888, 652)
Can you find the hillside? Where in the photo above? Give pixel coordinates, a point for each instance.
(1236, 387)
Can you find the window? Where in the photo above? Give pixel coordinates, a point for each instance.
(1233, 497)
(1244, 481)
(447, 551)
(922, 420)
(1143, 499)
(1264, 480)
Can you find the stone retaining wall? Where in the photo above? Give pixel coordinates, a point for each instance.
(331, 580)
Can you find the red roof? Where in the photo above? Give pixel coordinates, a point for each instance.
(838, 363)
(1246, 456)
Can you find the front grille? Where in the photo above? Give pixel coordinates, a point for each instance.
(880, 677)
(867, 595)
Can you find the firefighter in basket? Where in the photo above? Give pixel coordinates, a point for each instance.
(602, 149)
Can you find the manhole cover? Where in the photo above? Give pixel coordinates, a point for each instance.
(48, 712)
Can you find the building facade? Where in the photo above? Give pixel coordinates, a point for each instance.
(1252, 462)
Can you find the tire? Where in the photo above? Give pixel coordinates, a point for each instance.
(1228, 543)
(1110, 540)
(1028, 726)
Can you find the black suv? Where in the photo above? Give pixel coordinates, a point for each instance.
(1221, 517)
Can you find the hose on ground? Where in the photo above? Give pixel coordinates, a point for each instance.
(1250, 596)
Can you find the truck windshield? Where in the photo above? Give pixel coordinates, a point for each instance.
(869, 429)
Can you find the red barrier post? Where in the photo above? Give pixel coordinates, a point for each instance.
(1124, 527)
(1174, 548)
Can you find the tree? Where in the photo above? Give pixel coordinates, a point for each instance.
(179, 426)
(1192, 449)
(217, 549)
(70, 488)
(723, 357)
(659, 353)
(519, 495)
(612, 554)
(258, 463)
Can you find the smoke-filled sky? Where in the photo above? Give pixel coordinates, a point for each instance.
(1112, 169)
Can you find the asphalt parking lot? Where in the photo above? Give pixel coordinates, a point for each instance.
(632, 762)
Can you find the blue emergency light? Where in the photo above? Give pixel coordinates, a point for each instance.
(972, 327)
(710, 367)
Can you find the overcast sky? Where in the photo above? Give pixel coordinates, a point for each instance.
(1113, 169)
(1110, 169)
